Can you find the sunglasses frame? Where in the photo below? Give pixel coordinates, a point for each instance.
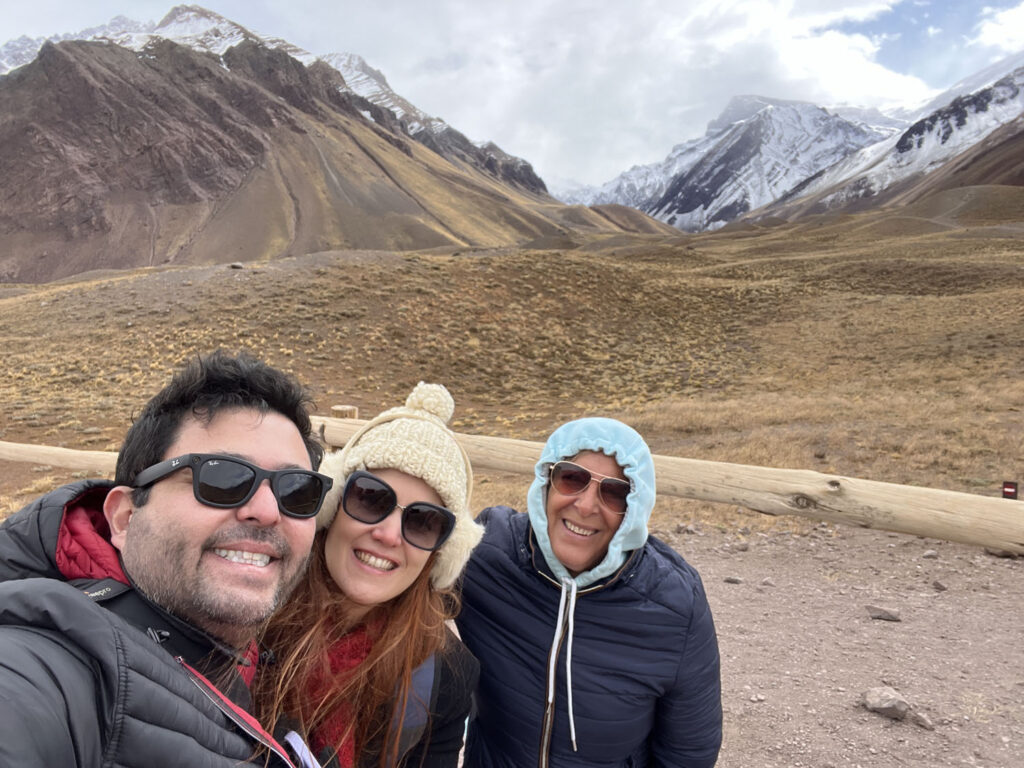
(447, 513)
(195, 461)
(594, 477)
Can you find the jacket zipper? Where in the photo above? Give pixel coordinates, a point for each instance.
(232, 715)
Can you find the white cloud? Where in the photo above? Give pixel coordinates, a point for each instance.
(581, 88)
(585, 89)
(1002, 29)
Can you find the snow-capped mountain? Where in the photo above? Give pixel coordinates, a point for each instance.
(885, 168)
(753, 153)
(204, 30)
(792, 156)
(756, 160)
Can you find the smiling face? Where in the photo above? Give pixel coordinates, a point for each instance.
(580, 527)
(372, 563)
(222, 570)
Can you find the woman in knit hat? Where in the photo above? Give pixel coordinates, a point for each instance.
(596, 644)
(365, 665)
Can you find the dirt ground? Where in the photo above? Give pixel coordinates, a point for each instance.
(894, 358)
(799, 648)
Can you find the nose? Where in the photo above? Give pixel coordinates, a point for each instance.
(262, 508)
(389, 530)
(588, 502)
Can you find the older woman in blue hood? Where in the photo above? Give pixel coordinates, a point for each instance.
(595, 639)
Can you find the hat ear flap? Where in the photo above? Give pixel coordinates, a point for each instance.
(333, 466)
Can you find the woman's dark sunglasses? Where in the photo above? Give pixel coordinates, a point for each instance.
(572, 479)
(369, 500)
(227, 481)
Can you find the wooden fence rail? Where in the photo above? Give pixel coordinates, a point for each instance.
(983, 520)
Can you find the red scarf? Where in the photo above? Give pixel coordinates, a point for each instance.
(343, 657)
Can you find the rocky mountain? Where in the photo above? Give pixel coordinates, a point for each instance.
(753, 153)
(783, 158)
(754, 158)
(204, 30)
(985, 123)
(116, 157)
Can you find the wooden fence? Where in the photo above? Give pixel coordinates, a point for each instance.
(982, 520)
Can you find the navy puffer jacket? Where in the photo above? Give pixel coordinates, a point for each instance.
(93, 674)
(645, 663)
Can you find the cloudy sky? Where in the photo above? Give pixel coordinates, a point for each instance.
(585, 89)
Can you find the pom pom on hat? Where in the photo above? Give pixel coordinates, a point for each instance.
(414, 439)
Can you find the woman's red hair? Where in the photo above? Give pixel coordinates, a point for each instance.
(404, 632)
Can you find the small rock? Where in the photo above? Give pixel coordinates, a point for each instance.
(886, 701)
(236, 265)
(930, 554)
(733, 580)
(883, 614)
(939, 586)
(921, 720)
(686, 528)
(1000, 553)
(767, 582)
(741, 546)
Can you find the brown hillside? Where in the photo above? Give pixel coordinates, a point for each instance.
(116, 159)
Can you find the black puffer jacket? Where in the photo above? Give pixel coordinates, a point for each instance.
(92, 674)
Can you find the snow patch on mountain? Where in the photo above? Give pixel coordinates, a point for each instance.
(924, 146)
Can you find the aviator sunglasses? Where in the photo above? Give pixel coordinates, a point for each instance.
(226, 481)
(572, 479)
(369, 500)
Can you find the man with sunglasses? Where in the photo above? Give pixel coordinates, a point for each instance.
(128, 609)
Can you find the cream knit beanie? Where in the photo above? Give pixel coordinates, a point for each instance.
(414, 439)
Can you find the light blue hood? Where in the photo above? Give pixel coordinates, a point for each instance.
(625, 444)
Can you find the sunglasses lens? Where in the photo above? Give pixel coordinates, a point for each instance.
(425, 526)
(299, 493)
(569, 479)
(224, 483)
(368, 499)
(614, 493)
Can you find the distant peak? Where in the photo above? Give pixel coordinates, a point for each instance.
(181, 12)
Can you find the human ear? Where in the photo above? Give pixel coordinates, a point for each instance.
(117, 509)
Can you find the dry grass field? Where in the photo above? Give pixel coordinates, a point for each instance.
(886, 346)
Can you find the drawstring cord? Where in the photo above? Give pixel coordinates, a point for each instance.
(568, 585)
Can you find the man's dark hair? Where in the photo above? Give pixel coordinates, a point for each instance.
(202, 389)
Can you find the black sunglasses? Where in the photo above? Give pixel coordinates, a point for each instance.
(572, 479)
(226, 482)
(369, 500)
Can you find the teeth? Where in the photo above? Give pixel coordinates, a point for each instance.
(375, 562)
(577, 529)
(238, 556)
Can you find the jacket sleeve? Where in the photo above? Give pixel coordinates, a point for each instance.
(49, 717)
(442, 746)
(688, 720)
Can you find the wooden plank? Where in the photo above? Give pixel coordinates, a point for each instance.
(983, 520)
(101, 462)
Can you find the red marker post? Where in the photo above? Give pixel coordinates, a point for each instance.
(1009, 489)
